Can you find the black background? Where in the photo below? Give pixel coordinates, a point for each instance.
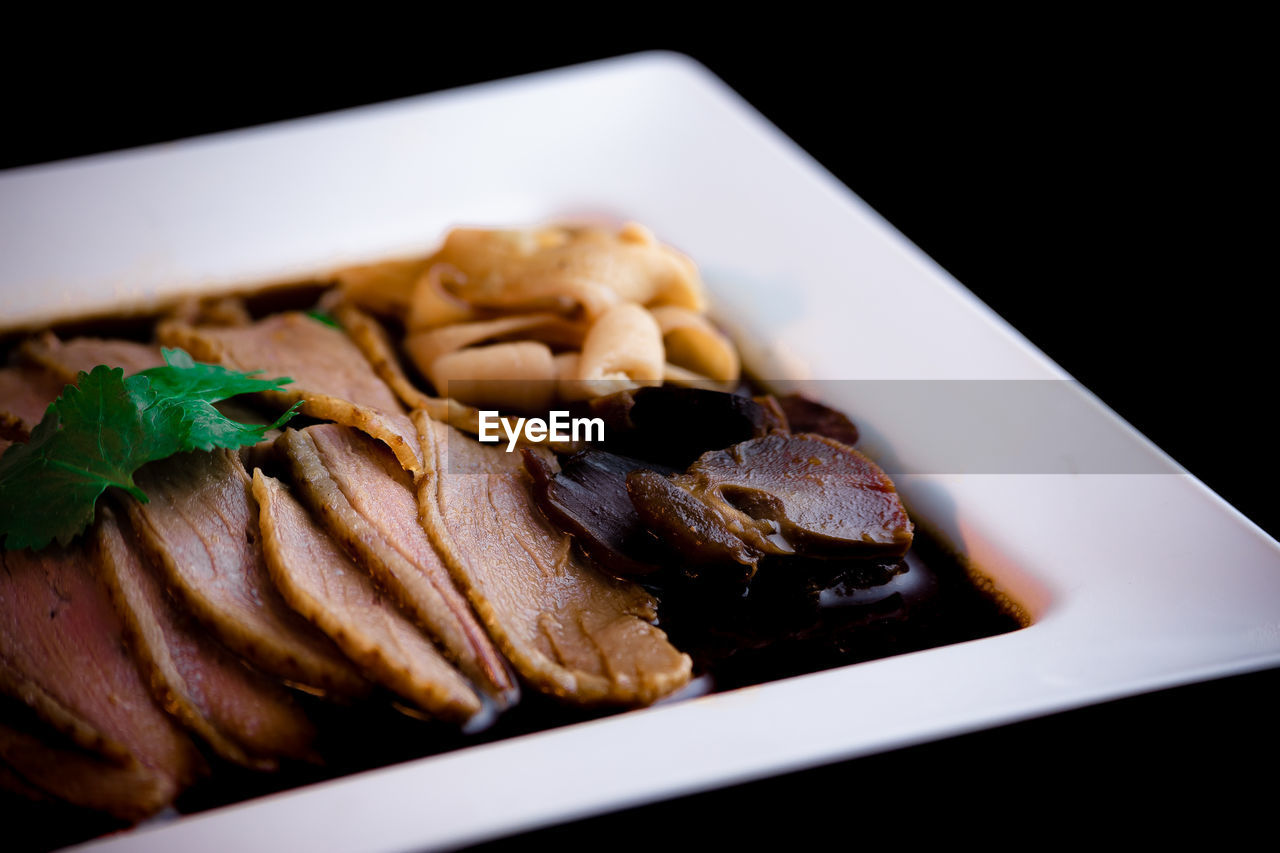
(1101, 184)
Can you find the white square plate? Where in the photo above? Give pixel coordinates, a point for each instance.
(1108, 562)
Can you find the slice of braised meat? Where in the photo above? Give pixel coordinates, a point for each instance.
(65, 359)
(10, 780)
(674, 425)
(372, 339)
(691, 528)
(366, 501)
(200, 528)
(212, 311)
(587, 497)
(330, 375)
(25, 393)
(806, 415)
(780, 494)
(318, 579)
(569, 629)
(46, 765)
(243, 715)
(63, 657)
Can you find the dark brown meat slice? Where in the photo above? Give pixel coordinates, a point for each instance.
(10, 779)
(330, 375)
(201, 529)
(25, 393)
(367, 502)
(588, 498)
(805, 415)
(569, 629)
(780, 494)
(695, 531)
(821, 495)
(318, 579)
(43, 766)
(245, 716)
(62, 655)
(65, 359)
(674, 426)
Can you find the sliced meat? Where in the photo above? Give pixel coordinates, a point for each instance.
(568, 629)
(63, 657)
(780, 494)
(822, 496)
(10, 780)
(45, 766)
(372, 340)
(330, 375)
(243, 715)
(323, 584)
(366, 501)
(65, 359)
(25, 393)
(689, 527)
(201, 529)
(805, 415)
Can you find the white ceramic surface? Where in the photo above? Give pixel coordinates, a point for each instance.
(1109, 564)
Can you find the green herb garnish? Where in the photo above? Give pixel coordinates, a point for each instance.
(324, 317)
(107, 426)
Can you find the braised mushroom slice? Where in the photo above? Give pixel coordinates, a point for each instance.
(805, 415)
(588, 498)
(696, 529)
(779, 494)
(675, 425)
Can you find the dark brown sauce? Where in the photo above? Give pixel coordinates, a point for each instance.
(785, 623)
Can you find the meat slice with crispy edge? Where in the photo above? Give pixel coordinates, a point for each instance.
(569, 629)
(63, 657)
(367, 334)
(25, 394)
(330, 375)
(366, 501)
(200, 529)
(318, 579)
(65, 359)
(42, 764)
(243, 715)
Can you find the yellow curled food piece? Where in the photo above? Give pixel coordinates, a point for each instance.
(519, 375)
(425, 347)
(432, 302)
(566, 270)
(693, 343)
(567, 366)
(384, 288)
(622, 350)
(595, 309)
(676, 375)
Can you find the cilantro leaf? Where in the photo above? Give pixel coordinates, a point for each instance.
(183, 379)
(104, 428)
(324, 317)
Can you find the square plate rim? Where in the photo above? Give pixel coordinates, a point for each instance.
(720, 765)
